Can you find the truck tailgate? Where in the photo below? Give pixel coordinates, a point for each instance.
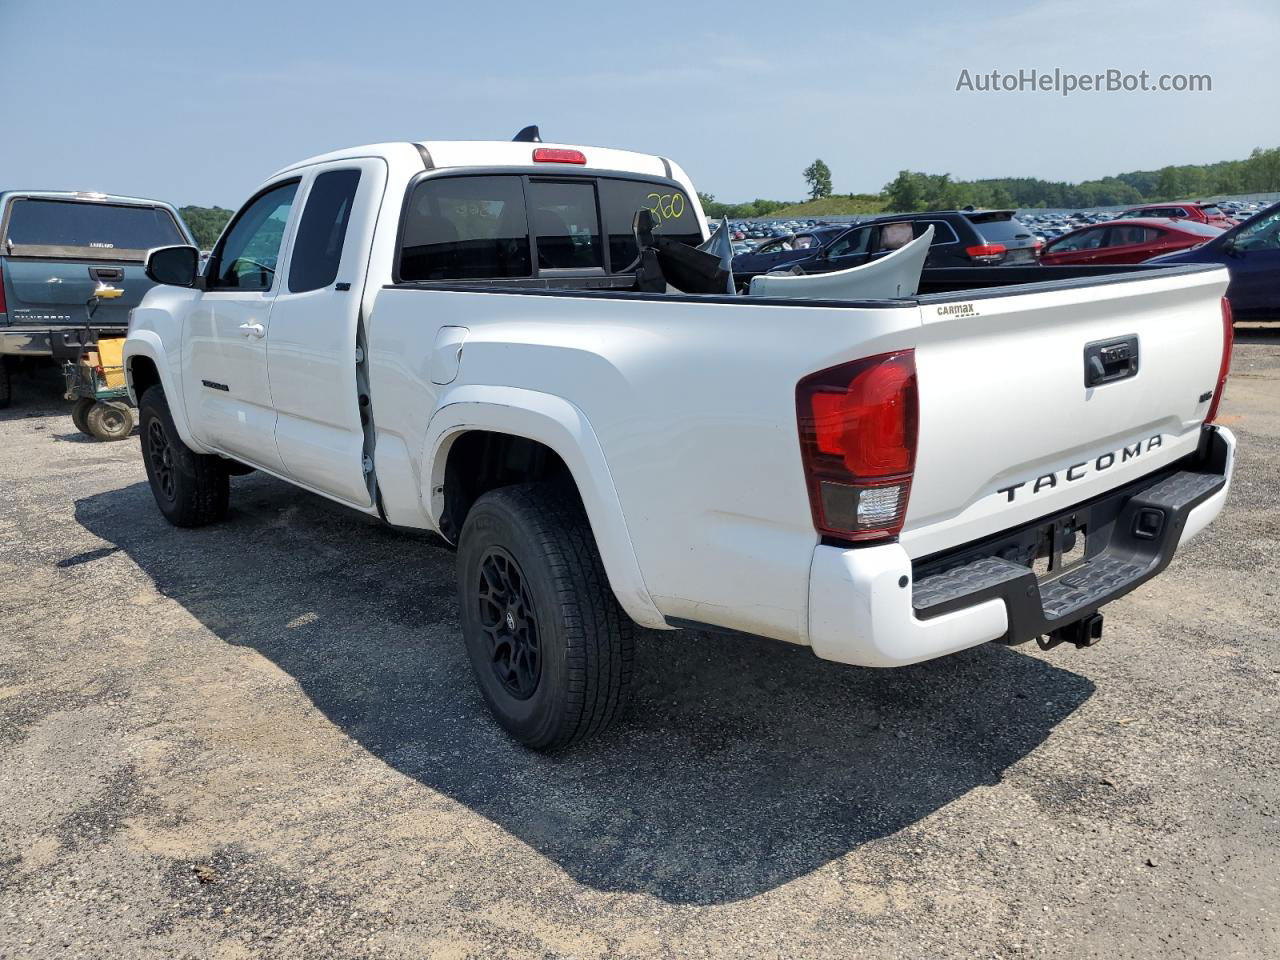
(1009, 431)
(53, 292)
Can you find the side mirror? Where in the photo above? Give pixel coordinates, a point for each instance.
(174, 266)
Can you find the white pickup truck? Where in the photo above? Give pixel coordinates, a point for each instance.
(449, 336)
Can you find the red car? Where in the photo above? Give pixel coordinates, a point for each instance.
(1209, 213)
(1126, 241)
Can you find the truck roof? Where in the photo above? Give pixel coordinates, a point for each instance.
(88, 196)
(501, 153)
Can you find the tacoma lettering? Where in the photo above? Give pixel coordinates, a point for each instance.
(1078, 471)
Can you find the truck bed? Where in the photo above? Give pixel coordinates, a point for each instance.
(693, 401)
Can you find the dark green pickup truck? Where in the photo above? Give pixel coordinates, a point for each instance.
(55, 250)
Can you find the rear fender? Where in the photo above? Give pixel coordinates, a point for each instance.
(564, 428)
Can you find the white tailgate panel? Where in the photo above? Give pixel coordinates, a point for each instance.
(1003, 401)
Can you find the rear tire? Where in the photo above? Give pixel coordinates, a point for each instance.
(80, 412)
(191, 489)
(550, 647)
(109, 421)
(6, 383)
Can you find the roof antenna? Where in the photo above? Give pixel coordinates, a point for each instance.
(529, 134)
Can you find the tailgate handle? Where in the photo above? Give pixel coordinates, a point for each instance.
(1106, 361)
(106, 274)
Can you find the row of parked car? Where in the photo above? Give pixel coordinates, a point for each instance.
(1244, 237)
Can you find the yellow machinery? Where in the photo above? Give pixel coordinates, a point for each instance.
(96, 383)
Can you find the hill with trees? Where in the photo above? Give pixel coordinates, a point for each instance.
(915, 190)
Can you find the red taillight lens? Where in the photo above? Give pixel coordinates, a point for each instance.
(553, 155)
(858, 425)
(1224, 368)
(986, 251)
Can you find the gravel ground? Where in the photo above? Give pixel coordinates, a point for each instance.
(262, 739)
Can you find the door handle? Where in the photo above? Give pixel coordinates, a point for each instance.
(255, 330)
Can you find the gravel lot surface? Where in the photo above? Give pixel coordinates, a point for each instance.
(262, 739)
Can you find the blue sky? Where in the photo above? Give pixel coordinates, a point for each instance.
(198, 102)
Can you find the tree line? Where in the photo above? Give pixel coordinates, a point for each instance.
(914, 190)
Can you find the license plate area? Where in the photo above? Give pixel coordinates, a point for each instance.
(1060, 546)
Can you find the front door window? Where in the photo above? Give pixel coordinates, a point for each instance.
(246, 258)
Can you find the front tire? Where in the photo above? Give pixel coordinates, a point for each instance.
(191, 489)
(550, 647)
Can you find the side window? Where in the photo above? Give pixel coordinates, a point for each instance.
(466, 228)
(894, 236)
(566, 224)
(671, 209)
(942, 232)
(1085, 240)
(1124, 236)
(246, 258)
(317, 249)
(1262, 234)
(853, 242)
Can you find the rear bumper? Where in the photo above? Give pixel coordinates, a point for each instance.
(873, 606)
(62, 343)
(24, 343)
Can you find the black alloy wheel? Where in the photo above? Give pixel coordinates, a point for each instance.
(160, 455)
(510, 623)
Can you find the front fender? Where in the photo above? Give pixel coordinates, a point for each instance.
(564, 428)
(147, 343)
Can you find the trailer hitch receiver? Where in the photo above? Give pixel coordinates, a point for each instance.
(1083, 633)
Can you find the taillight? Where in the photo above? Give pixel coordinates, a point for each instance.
(986, 252)
(858, 425)
(554, 155)
(1224, 367)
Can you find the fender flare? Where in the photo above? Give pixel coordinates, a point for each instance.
(564, 428)
(146, 343)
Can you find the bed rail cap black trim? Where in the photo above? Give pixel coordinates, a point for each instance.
(531, 291)
(1041, 286)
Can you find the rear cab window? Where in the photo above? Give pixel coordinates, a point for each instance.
(565, 222)
(91, 225)
(521, 226)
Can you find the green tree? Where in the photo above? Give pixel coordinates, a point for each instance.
(205, 223)
(905, 193)
(1171, 183)
(818, 176)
